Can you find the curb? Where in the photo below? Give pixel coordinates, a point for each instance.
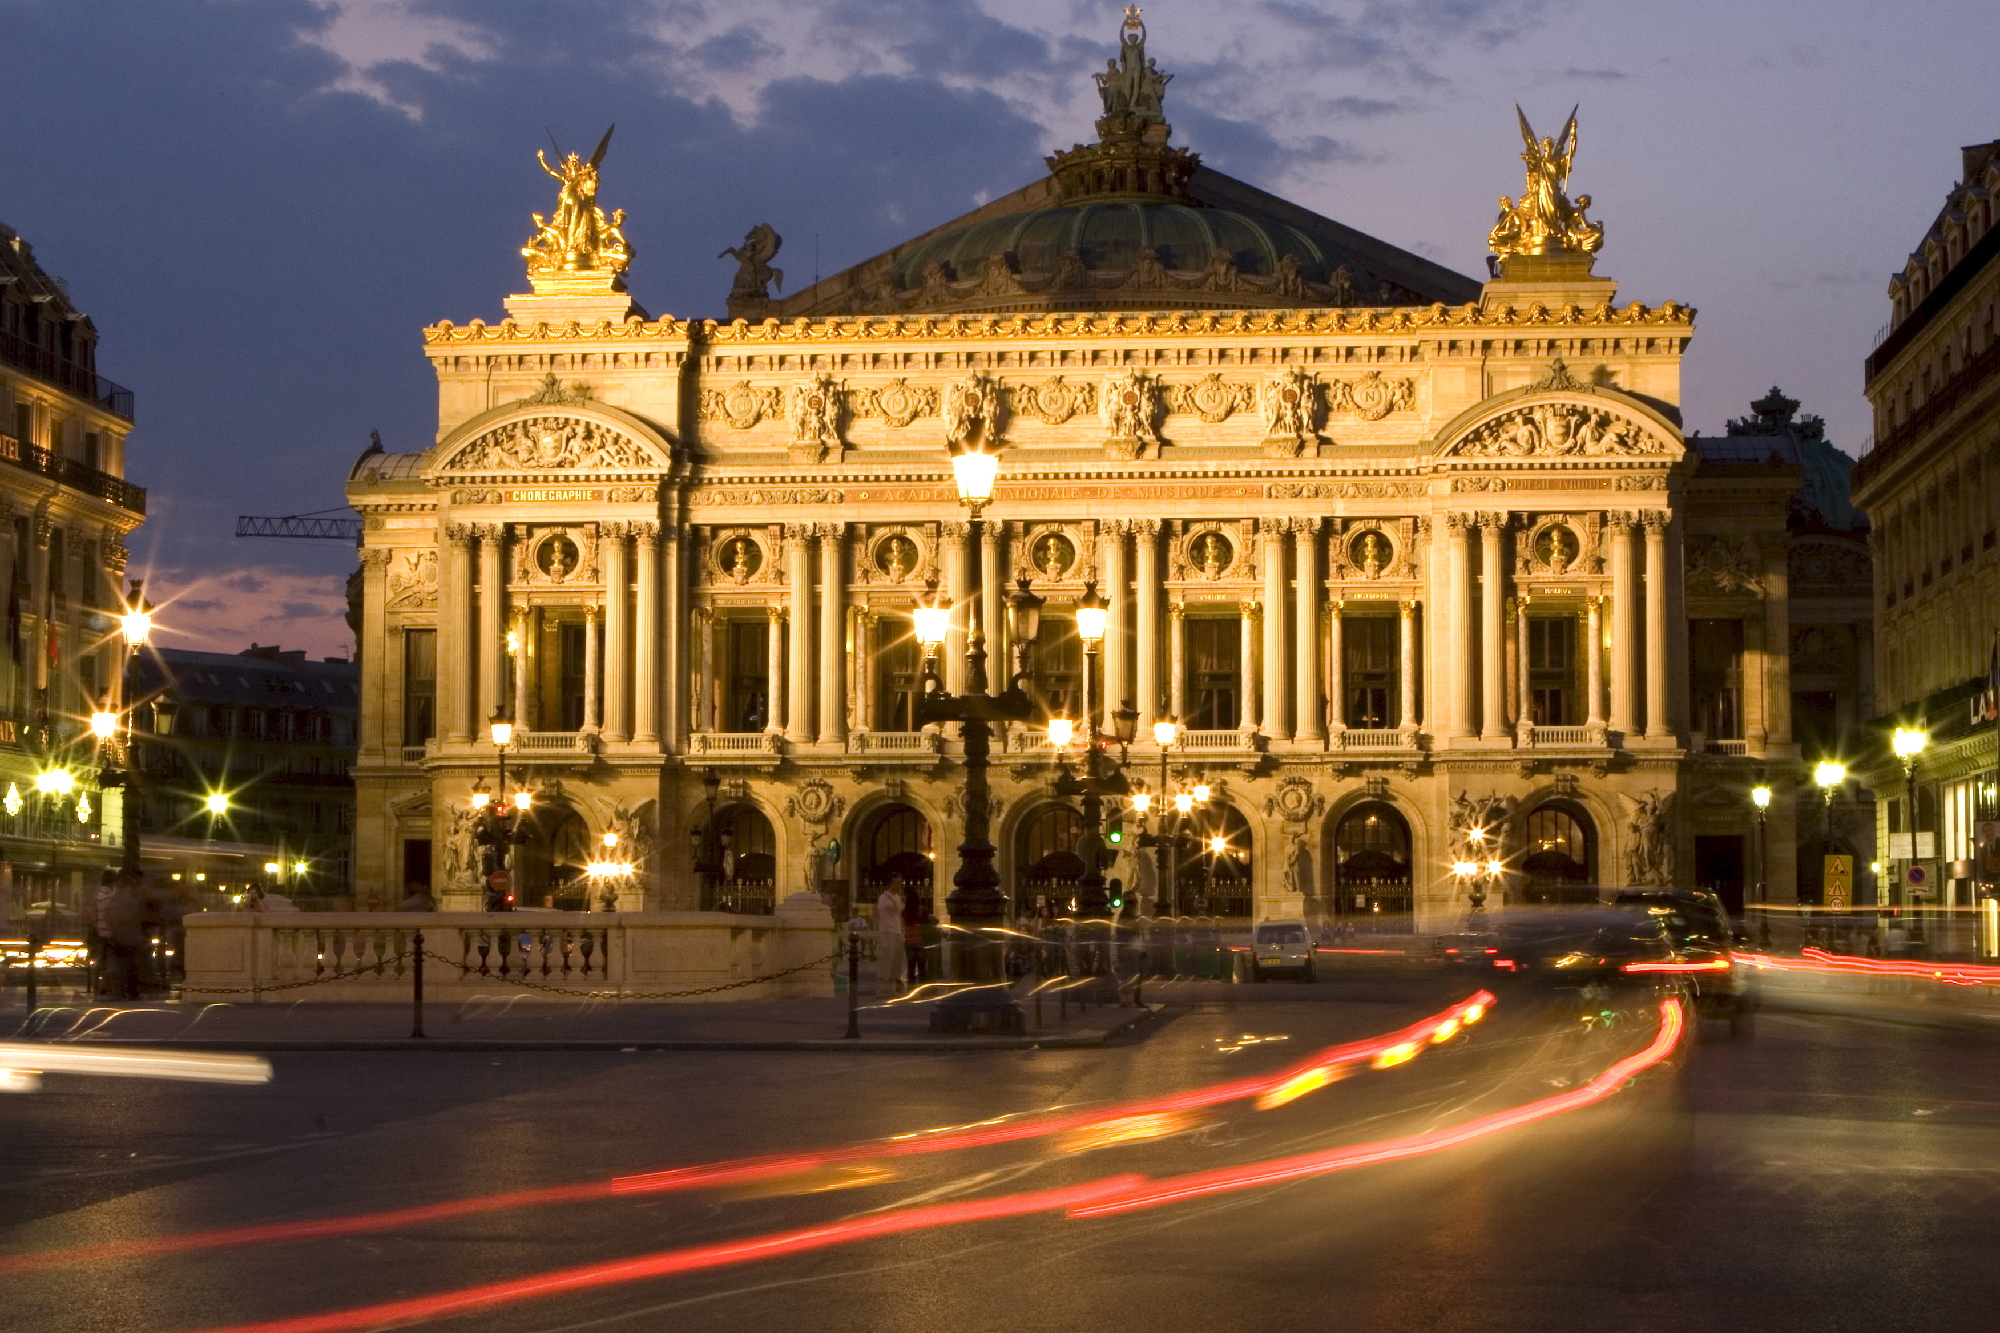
(1082, 1040)
(1900, 1016)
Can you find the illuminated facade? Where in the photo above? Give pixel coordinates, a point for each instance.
(65, 512)
(1408, 556)
(1932, 485)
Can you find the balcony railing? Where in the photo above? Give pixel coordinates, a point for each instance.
(1221, 739)
(413, 754)
(1373, 738)
(1726, 747)
(71, 473)
(895, 742)
(734, 742)
(1559, 736)
(43, 363)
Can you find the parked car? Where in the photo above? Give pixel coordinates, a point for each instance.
(1283, 946)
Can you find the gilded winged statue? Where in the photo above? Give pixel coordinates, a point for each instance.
(578, 236)
(1545, 221)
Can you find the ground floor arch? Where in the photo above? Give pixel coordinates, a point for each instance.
(748, 877)
(1373, 869)
(1214, 855)
(895, 843)
(1559, 855)
(1046, 868)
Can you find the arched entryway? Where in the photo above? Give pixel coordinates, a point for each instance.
(896, 841)
(1559, 856)
(1046, 866)
(1372, 880)
(749, 878)
(548, 867)
(1212, 868)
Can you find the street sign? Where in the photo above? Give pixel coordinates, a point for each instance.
(1899, 847)
(1916, 876)
(1839, 880)
(500, 881)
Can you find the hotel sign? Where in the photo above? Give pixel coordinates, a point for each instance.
(555, 495)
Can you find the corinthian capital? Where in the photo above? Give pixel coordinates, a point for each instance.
(459, 534)
(1457, 523)
(374, 560)
(954, 531)
(798, 534)
(1655, 521)
(1273, 527)
(1303, 525)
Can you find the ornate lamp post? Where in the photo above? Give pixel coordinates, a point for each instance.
(1760, 797)
(504, 823)
(977, 906)
(1828, 775)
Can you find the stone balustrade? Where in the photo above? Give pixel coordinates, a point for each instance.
(241, 957)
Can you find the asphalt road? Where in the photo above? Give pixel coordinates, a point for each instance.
(1830, 1173)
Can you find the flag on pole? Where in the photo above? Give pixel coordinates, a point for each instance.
(1990, 699)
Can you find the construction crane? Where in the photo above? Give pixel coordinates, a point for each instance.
(311, 527)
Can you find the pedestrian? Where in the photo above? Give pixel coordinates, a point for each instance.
(125, 938)
(913, 946)
(1898, 939)
(889, 957)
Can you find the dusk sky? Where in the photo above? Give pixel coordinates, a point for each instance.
(261, 204)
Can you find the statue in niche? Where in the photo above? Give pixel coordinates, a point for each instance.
(1213, 554)
(1054, 555)
(1372, 554)
(744, 559)
(897, 557)
(557, 557)
(1557, 549)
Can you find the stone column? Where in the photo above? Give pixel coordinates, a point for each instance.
(1492, 643)
(1593, 657)
(525, 621)
(646, 635)
(1177, 662)
(1455, 649)
(1624, 627)
(1524, 693)
(673, 642)
(1146, 593)
(1658, 725)
(993, 610)
(1272, 530)
(957, 589)
(1308, 714)
(617, 632)
(863, 621)
(774, 668)
(376, 694)
(1406, 663)
(1117, 686)
(832, 634)
(1246, 653)
(798, 673)
(592, 662)
(492, 642)
(1336, 673)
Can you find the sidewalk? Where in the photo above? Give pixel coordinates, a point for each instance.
(505, 1022)
(1894, 1000)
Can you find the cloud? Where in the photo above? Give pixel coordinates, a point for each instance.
(217, 614)
(1575, 73)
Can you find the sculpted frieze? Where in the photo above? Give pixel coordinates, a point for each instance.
(1830, 564)
(816, 420)
(1342, 490)
(1127, 406)
(413, 581)
(898, 402)
(1211, 398)
(1052, 401)
(548, 444)
(1717, 565)
(1558, 430)
(1371, 397)
(742, 404)
(1291, 414)
(802, 495)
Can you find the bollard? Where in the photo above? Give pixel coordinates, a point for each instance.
(417, 989)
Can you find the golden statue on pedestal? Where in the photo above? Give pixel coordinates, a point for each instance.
(578, 238)
(1545, 222)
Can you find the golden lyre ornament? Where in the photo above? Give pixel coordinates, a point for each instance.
(578, 237)
(1545, 221)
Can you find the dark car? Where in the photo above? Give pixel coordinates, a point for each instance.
(1578, 946)
(1697, 925)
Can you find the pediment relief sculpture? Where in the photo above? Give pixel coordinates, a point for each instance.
(1548, 430)
(551, 444)
(1825, 563)
(413, 581)
(1717, 565)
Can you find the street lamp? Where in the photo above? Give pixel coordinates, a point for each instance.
(1828, 774)
(505, 823)
(709, 843)
(1760, 798)
(975, 902)
(1909, 744)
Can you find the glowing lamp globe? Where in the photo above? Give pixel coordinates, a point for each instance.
(1909, 742)
(975, 473)
(1061, 731)
(1829, 774)
(1166, 732)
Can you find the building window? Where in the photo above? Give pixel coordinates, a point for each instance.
(1059, 667)
(898, 675)
(746, 697)
(1552, 671)
(1816, 723)
(572, 652)
(1715, 677)
(419, 685)
(93, 456)
(1368, 667)
(1215, 675)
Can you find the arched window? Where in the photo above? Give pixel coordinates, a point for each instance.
(1560, 857)
(896, 841)
(1371, 868)
(1212, 868)
(1046, 864)
(749, 861)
